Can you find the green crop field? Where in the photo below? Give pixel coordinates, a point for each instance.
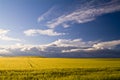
(35, 68)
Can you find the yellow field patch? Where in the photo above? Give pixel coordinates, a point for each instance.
(28, 63)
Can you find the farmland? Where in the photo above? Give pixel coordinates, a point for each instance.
(35, 68)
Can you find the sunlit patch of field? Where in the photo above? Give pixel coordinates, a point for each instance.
(35, 68)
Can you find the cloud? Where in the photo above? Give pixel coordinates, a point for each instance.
(64, 48)
(52, 48)
(46, 14)
(4, 51)
(79, 50)
(48, 32)
(87, 11)
(70, 43)
(3, 36)
(60, 45)
(107, 45)
(78, 45)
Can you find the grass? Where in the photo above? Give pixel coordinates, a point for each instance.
(35, 68)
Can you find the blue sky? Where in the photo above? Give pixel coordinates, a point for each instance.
(50, 28)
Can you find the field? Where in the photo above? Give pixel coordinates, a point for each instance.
(35, 68)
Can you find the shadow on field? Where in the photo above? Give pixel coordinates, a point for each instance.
(62, 74)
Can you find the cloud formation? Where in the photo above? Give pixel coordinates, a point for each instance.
(4, 37)
(87, 11)
(107, 45)
(48, 32)
(64, 48)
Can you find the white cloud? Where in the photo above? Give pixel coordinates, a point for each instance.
(44, 16)
(85, 13)
(66, 25)
(2, 31)
(70, 43)
(4, 51)
(54, 47)
(71, 50)
(96, 46)
(79, 50)
(59, 46)
(3, 36)
(48, 32)
(107, 45)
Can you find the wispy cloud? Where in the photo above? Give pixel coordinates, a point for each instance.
(48, 32)
(88, 11)
(70, 43)
(107, 45)
(3, 36)
(46, 14)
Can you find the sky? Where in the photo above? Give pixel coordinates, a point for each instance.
(60, 28)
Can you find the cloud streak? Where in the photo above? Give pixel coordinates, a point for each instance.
(48, 32)
(4, 37)
(107, 45)
(88, 11)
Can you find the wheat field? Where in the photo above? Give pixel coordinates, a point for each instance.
(35, 68)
